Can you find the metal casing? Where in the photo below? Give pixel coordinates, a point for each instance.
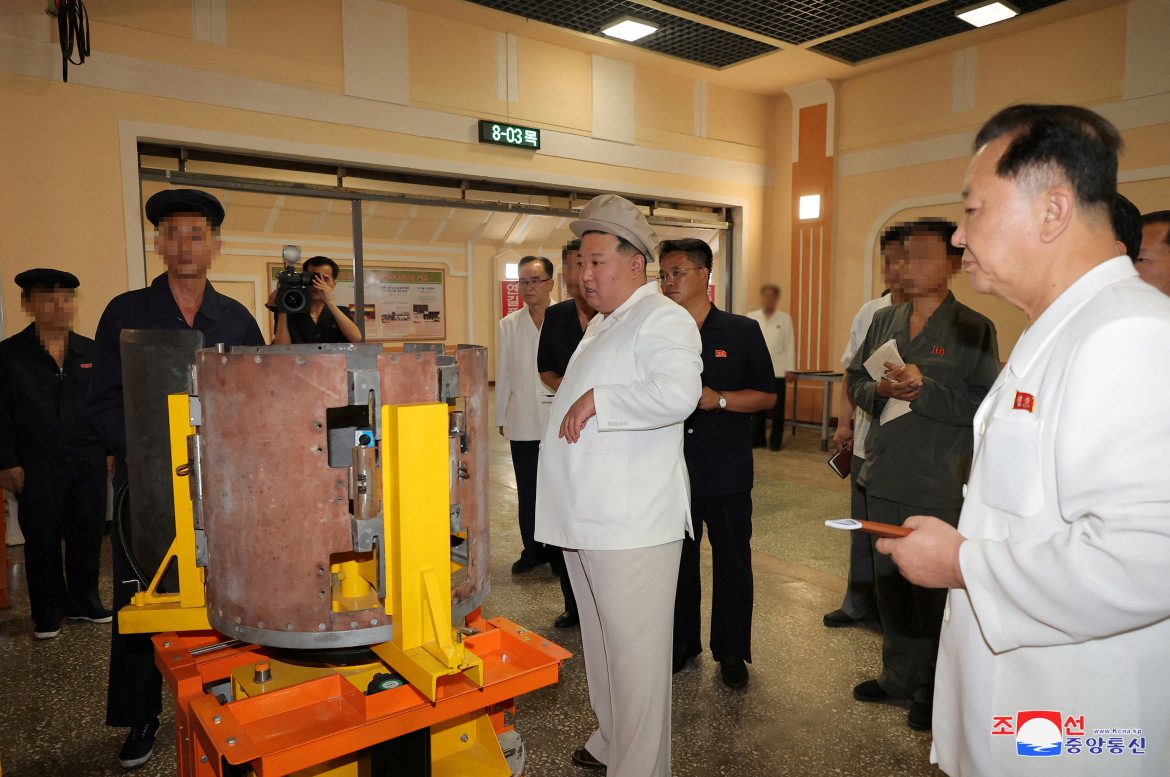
(274, 511)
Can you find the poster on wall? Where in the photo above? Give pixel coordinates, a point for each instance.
(400, 304)
(509, 297)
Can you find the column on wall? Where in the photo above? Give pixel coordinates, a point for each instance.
(813, 174)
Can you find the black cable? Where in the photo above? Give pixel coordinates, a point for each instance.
(123, 544)
(73, 31)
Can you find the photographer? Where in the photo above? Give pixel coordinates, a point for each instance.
(324, 321)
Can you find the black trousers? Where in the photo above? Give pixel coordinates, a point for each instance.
(759, 419)
(911, 616)
(859, 601)
(525, 457)
(729, 526)
(62, 501)
(134, 691)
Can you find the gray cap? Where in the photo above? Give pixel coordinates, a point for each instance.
(616, 215)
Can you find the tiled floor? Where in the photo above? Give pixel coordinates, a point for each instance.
(797, 716)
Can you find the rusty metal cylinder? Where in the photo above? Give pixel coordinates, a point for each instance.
(282, 509)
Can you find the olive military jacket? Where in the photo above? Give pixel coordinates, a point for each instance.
(923, 457)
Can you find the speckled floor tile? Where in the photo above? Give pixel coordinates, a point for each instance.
(797, 716)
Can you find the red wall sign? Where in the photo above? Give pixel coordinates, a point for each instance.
(510, 297)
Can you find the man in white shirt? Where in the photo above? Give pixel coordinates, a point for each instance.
(1058, 617)
(522, 401)
(859, 604)
(778, 334)
(612, 488)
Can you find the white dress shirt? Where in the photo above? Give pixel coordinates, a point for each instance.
(857, 332)
(781, 340)
(1067, 600)
(522, 401)
(623, 484)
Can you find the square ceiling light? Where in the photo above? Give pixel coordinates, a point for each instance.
(983, 14)
(810, 207)
(629, 29)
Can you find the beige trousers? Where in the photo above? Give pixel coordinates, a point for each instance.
(626, 603)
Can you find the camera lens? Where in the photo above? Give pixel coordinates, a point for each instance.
(293, 300)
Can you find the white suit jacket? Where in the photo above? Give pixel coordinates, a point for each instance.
(624, 484)
(522, 401)
(1067, 565)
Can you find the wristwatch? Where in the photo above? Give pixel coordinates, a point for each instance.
(722, 400)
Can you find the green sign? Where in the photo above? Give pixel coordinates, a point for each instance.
(508, 134)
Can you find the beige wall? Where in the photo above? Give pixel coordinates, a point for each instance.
(312, 87)
(905, 133)
(67, 150)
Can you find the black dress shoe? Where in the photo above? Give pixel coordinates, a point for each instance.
(839, 619)
(566, 621)
(734, 672)
(584, 758)
(920, 716)
(524, 564)
(870, 691)
(774, 446)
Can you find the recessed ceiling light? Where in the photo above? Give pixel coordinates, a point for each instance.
(629, 29)
(983, 14)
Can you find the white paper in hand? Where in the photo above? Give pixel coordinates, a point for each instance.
(875, 365)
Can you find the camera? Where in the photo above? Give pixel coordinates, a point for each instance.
(293, 286)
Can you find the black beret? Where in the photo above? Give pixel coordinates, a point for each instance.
(171, 201)
(42, 277)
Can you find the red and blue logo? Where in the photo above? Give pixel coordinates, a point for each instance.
(1038, 733)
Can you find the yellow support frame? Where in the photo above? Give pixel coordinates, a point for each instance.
(150, 611)
(415, 473)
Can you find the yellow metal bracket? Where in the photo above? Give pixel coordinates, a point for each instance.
(415, 472)
(150, 611)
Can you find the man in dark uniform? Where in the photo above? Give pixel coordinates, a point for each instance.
(738, 380)
(181, 298)
(50, 454)
(324, 321)
(564, 326)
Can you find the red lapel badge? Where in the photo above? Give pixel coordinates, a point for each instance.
(1024, 402)
(720, 354)
(85, 365)
(938, 350)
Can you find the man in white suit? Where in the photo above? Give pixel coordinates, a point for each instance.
(1056, 629)
(612, 486)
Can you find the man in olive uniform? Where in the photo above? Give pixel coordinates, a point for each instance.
(50, 454)
(918, 451)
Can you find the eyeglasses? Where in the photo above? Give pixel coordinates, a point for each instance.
(673, 275)
(526, 284)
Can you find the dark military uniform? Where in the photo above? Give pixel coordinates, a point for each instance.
(135, 686)
(718, 449)
(45, 430)
(917, 465)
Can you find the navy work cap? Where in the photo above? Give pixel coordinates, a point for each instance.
(42, 277)
(171, 201)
